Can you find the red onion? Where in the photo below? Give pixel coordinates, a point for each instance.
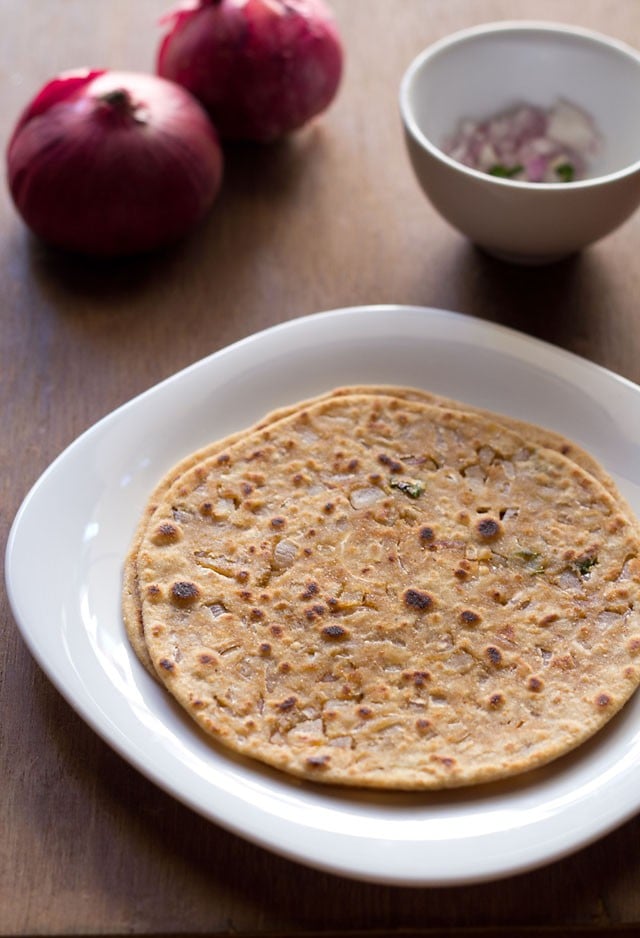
(113, 163)
(528, 144)
(261, 68)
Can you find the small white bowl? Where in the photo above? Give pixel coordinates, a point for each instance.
(482, 71)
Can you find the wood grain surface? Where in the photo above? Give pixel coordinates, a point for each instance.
(332, 217)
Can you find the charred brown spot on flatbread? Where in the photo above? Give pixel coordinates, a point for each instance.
(424, 726)
(166, 533)
(317, 762)
(334, 632)
(389, 463)
(184, 592)
(417, 678)
(488, 528)
(426, 534)
(418, 599)
(311, 589)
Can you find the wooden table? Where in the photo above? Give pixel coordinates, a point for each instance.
(332, 218)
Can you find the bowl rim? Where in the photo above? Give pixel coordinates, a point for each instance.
(524, 25)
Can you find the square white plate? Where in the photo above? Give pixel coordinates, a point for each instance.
(74, 529)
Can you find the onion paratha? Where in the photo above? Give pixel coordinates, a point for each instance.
(381, 592)
(131, 603)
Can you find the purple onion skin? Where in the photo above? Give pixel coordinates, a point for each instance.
(261, 68)
(113, 163)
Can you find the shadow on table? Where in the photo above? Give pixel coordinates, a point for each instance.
(563, 303)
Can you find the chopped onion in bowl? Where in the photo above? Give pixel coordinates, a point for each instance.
(528, 143)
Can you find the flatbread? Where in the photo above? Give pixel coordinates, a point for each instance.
(131, 603)
(379, 592)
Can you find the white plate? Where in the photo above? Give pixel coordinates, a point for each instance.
(75, 525)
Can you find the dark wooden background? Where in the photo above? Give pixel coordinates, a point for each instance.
(330, 218)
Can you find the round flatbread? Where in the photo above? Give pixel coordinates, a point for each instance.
(378, 592)
(131, 602)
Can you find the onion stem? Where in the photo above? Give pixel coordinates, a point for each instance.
(121, 104)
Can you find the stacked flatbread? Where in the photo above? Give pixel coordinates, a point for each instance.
(384, 588)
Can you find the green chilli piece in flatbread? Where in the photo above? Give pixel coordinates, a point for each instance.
(380, 592)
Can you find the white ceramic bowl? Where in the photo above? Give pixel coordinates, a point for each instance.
(481, 71)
